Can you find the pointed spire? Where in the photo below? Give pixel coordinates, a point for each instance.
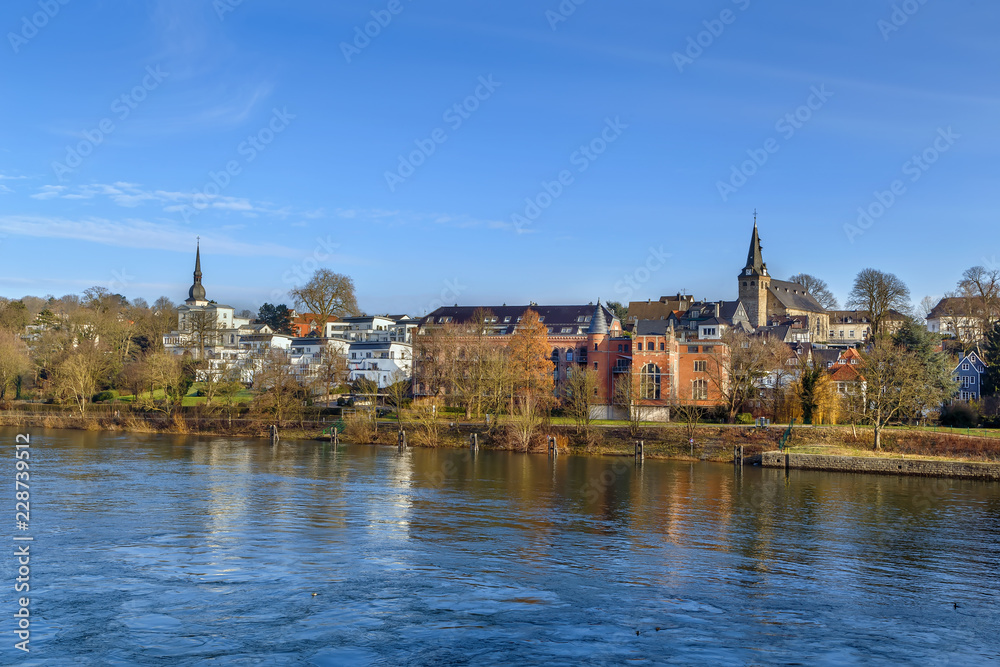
(197, 291)
(598, 323)
(755, 257)
(197, 262)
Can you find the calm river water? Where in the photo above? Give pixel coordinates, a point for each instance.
(182, 550)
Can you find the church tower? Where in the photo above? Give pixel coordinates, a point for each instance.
(196, 295)
(754, 281)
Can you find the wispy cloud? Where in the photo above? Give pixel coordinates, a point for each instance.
(135, 233)
(132, 195)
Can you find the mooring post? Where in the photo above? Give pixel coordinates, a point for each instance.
(474, 442)
(274, 434)
(553, 448)
(335, 435)
(639, 450)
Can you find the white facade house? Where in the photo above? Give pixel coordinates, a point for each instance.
(383, 362)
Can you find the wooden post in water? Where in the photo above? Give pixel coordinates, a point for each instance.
(274, 434)
(553, 448)
(474, 442)
(640, 454)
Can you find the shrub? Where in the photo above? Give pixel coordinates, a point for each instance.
(744, 418)
(358, 428)
(102, 396)
(959, 415)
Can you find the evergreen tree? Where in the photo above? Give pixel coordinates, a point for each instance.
(934, 368)
(278, 317)
(991, 357)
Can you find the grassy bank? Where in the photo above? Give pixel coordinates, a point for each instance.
(711, 442)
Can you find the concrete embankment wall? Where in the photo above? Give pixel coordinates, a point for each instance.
(884, 466)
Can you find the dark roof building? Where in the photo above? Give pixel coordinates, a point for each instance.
(560, 320)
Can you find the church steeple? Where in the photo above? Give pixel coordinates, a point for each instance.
(755, 257)
(197, 291)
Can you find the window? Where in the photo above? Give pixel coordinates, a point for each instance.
(699, 390)
(692, 349)
(595, 365)
(700, 366)
(541, 319)
(831, 333)
(841, 333)
(965, 381)
(965, 366)
(638, 346)
(649, 382)
(852, 333)
(506, 319)
(628, 348)
(569, 355)
(709, 331)
(662, 347)
(619, 348)
(595, 348)
(567, 330)
(972, 380)
(707, 349)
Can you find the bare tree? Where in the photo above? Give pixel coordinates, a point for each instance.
(581, 386)
(626, 398)
(892, 381)
(203, 328)
(525, 420)
(979, 288)
(78, 376)
(332, 369)
(398, 393)
(818, 288)
(278, 391)
(878, 293)
(737, 371)
(327, 295)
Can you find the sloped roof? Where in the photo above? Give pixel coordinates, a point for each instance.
(553, 316)
(951, 306)
(845, 373)
(795, 296)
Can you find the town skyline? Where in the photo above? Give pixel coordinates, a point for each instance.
(649, 139)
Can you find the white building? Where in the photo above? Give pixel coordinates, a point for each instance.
(383, 362)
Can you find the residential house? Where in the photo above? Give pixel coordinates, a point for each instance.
(969, 375)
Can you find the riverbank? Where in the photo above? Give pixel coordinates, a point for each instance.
(883, 465)
(665, 441)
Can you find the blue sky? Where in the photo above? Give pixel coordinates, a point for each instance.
(120, 120)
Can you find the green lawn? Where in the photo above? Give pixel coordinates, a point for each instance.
(190, 399)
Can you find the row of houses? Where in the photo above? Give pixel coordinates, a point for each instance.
(671, 346)
(378, 348)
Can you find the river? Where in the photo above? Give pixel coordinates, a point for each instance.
(158, 549)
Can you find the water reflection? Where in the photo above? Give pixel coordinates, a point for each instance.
(191, 549)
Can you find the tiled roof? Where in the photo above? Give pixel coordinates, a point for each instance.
(553, 317)
(795, 297)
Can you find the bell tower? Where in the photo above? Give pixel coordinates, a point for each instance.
(754, 281)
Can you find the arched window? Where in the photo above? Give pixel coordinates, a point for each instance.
(649, 382)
